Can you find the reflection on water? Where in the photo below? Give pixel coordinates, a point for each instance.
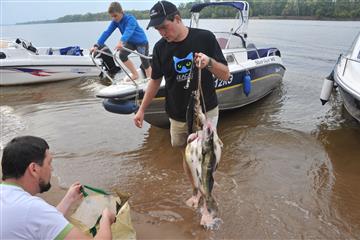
(11, 124)
(290, 167)
(74, 89)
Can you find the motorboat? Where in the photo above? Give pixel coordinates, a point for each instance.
(255, 72)
(23, 63)
(346, 77)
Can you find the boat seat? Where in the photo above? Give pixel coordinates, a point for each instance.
(222, 42)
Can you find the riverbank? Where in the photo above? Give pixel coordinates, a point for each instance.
(313, 18)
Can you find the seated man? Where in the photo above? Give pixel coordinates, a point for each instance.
(26, 171)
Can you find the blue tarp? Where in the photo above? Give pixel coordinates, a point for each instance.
(73, 50)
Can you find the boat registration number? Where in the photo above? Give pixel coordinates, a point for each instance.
(222, 83)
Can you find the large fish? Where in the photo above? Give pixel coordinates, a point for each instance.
(211, 154)
(195, 121)
(195, 117)
(202, 155)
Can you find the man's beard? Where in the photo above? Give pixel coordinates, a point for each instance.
(44, 187)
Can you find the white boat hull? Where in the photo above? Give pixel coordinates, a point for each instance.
(347, 77)
(40, 74)
(349, 88)
(19, 65)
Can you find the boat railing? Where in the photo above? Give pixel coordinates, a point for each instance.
(347, 59)
(271, 52)
(97, 51)
(251, 53)
(94, 56)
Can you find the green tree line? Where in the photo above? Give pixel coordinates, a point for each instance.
(318, 9)
(349, 9)
(314, 8)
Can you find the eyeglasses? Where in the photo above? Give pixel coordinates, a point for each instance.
(162, 5)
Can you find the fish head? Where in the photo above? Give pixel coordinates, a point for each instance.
(208, 136)
(209, 130)
(192, 137)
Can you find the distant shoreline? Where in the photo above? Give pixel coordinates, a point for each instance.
(313, 18)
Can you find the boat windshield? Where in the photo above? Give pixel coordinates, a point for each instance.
(352, 59)
(354, 51)
(240, 24)
(228, 40)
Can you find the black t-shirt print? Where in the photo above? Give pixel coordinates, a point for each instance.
(174, 62)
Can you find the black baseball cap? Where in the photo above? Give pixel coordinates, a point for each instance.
(159, 12)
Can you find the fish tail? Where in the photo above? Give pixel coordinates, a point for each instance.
(212, 205)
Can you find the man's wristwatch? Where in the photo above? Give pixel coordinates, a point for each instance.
(210, 63)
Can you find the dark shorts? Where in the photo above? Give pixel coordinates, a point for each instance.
(143, 49)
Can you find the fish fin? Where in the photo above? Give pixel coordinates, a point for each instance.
(217, 139)
(220, 142)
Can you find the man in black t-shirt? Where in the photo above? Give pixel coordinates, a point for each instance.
(173, 58)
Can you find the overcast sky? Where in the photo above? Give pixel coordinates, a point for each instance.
(16, 11)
